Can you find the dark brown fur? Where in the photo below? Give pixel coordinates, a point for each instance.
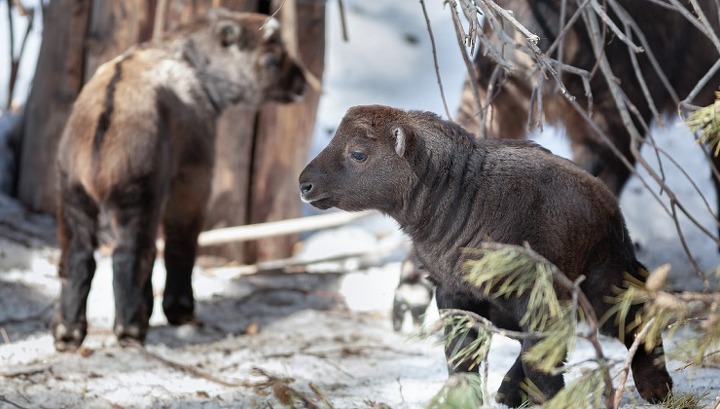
(139, 146)
(683, 52)
(449, 191)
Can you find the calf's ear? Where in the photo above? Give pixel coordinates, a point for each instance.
(400, 140)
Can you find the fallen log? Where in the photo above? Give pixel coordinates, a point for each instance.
(276, 228)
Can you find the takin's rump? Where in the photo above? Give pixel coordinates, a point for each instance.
(683, 55)
(139, 147)
(449, 191)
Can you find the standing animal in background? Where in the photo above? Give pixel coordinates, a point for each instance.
(683, 53)
(413, 294)
(139, 146)
(449, 191)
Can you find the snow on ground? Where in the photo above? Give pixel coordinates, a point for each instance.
(331, 330)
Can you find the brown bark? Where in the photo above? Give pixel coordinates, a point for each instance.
(58, 80)
(260, 155)
(234, 150)
(284, 134)
(114, 27)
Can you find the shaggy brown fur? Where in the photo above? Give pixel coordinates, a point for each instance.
(682, 51)
(139, 146)
(449, 191)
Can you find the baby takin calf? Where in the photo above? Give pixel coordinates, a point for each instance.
(139, 146)
(450, 191)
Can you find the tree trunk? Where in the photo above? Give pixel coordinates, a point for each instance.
(57, 82)
(259, 156)
(79, 36)
(284, 134)
(114, 27)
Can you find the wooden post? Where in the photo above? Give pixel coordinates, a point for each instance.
(114, 27)
(79, 36)
(259, 157)
(284, 134)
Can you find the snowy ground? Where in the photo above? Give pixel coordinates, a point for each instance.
(331, 330)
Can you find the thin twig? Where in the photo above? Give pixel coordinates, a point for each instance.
(472, 74)
(23, 371)
(691, 363)
(343, 21)
(639, 338)
(435, 59)
(635, 138)
(189, 369)
(11, 51)
(4, 399)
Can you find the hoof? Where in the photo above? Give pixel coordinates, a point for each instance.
(179, 311)
(654, 387)
(510, 395)
(69, 338)
(129, 335)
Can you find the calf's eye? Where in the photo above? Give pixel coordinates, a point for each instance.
(358, 156)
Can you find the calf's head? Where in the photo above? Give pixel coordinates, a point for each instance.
(243, 56)
(365, 165)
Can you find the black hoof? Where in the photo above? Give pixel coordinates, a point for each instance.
(510, 395)
(129, 335)
(179, 311)
(69, 338)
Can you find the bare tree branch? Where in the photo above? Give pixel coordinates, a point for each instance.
(435, 60)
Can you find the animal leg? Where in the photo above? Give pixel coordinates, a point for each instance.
(77, 225)
(652, 380)
(548, 384)
(510, 393)
(135, 217)
(182, 224)
(446, 300)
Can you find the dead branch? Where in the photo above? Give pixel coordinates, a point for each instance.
(363, 259)
(4, 399)
(589, 312)
(459, 34)
(188, 369)
(25, 370)
(343, 21)
(639, 338)
(275, 228)
(435, 60)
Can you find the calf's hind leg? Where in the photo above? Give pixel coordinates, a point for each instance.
(652, 380)
(134, 213)
(77, 226)
(182, 223)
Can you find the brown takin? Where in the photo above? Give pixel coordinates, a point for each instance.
(139, 147)
(683, 54)
(449, 191)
